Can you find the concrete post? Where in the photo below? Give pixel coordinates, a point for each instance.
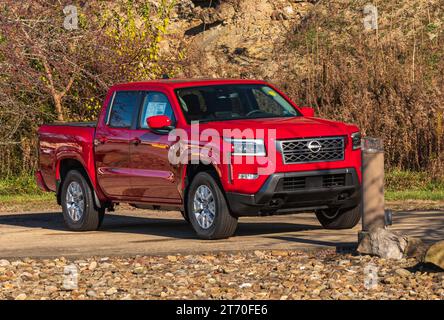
(373, 213)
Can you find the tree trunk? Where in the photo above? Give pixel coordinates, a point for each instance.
(58, 106)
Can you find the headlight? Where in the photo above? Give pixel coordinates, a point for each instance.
(247, 147)
(356, 140)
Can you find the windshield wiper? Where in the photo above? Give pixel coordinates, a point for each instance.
(245, 118)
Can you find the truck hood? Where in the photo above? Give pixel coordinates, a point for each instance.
(286, 128)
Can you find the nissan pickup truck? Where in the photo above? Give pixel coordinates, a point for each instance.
(215, 150)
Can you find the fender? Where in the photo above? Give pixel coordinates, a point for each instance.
(72, 154)
(205, 158)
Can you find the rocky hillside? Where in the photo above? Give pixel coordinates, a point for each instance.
(235, 38)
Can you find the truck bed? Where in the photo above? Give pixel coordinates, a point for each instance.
(75, 124)
(61, 141)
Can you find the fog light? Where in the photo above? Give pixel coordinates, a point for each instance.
(343, 196)
(247, 176)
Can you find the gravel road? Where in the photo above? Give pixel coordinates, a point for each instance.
(275, 274)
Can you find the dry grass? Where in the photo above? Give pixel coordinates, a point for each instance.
(387, 81)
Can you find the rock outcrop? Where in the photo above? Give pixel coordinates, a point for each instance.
(390, 245)
(238, 38)
(435, 254)
(383, 243)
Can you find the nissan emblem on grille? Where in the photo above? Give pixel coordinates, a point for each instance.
(314, 146)
(312, 150)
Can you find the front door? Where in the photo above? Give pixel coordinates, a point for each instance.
(112, 143)
(154, 179)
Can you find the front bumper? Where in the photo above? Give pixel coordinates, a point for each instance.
(299, 191)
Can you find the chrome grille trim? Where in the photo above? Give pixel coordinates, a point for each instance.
(296, 151)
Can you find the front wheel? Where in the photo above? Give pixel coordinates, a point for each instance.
(79, 211)
(208, 209)
(339, 218)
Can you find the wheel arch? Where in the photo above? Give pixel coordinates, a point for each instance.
(65, 165)
(191, 170)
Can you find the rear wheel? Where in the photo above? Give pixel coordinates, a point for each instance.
(208, 209)
(79, 211)
(339, 218)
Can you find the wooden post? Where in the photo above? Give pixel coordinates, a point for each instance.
(373, 213)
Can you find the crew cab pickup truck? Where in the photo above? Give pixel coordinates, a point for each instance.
(214, 149)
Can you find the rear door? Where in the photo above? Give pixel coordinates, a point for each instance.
(112, 144)
(154, 177)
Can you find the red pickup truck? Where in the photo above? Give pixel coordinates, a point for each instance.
(214, 149)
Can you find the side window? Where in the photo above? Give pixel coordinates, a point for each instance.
(155, 104)
(124, 107)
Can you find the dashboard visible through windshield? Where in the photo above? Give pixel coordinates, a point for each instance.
(232, 102)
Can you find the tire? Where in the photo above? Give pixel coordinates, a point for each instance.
(91, 218)
(224, 224)
(339, 218)
(185, 216)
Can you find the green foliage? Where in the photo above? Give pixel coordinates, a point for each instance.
(436, 195)
(135, 32)
(399, 180)
(24, 184)
(431, 28)
(28, 199)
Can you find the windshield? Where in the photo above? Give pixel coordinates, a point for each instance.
(231, 102)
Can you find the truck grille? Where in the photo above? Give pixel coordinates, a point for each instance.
(293, 183)
(300, 183)
(312, 150)
(333, 180)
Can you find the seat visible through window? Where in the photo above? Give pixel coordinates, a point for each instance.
(192, 105)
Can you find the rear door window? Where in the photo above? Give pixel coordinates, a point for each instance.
(124, 109)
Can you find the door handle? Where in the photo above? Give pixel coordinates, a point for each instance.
(136, 141)
(100, 140)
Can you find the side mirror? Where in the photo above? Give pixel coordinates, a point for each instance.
(159, 122)
(307, 111)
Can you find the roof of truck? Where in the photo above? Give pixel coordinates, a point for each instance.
(180, 83)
